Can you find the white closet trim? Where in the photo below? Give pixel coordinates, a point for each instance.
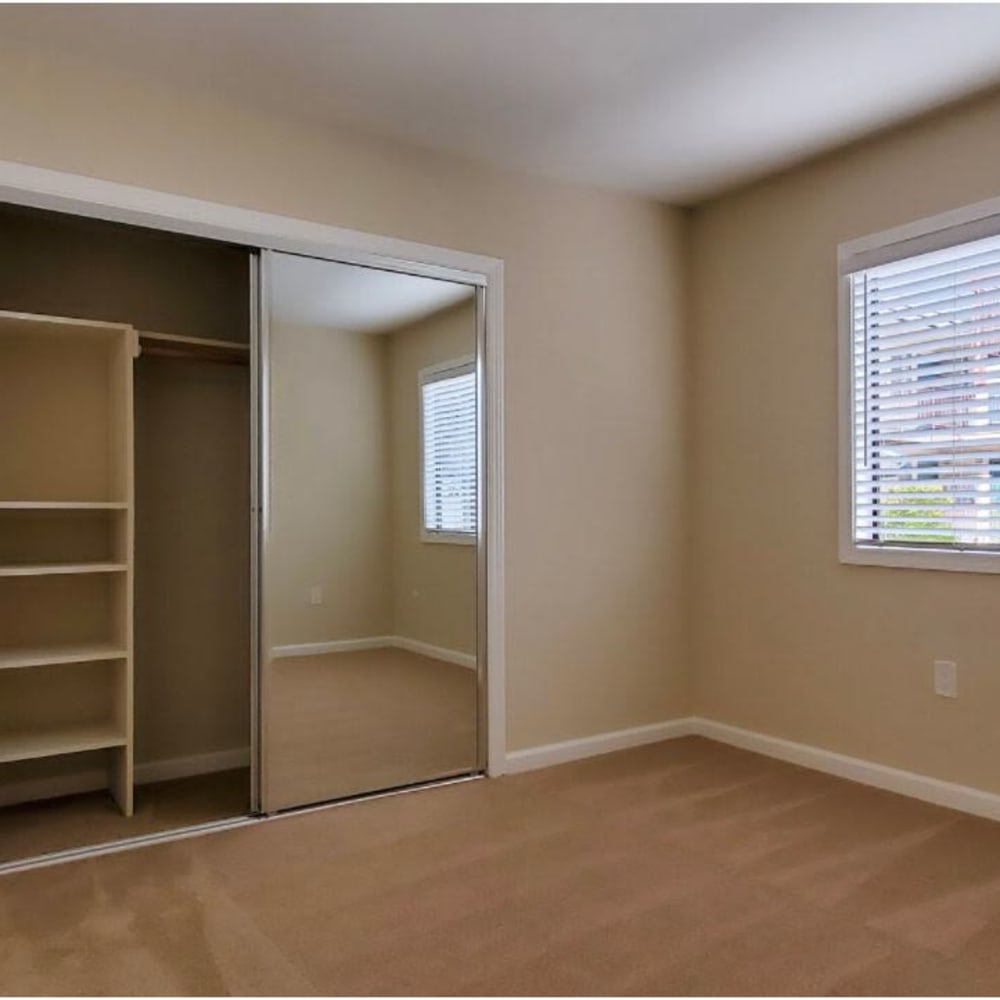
(40, 187)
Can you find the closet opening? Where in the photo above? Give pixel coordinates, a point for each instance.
(125, 531)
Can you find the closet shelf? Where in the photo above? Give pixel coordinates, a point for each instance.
(59, 740)
(14, 658)
(63, 569)
(32, 325)
(62, 505)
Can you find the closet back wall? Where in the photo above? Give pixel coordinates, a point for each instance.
(68, 266)
(192, 464)
(192, 628)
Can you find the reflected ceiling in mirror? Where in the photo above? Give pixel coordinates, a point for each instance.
(358, 299)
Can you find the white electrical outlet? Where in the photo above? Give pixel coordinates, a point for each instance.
(315, 595)
(946, 678)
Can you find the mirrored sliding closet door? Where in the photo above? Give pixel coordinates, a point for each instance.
(370, 678)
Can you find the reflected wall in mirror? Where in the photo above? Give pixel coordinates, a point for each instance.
(370, 572)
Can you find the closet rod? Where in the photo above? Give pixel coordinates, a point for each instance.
(173, 354)
(169, 345)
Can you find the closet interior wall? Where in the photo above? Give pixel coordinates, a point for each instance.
(192, 550)
(192, 468)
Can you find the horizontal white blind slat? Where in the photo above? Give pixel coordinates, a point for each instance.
(947, 404)
(934, 325)
(969, 512)
(921, 390)
(938, 292)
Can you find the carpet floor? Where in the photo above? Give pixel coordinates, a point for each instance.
(682, 868)
(72, 821)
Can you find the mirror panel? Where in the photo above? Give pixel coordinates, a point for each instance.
(369, 585)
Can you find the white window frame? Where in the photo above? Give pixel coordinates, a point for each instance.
(962, 225)
(436, 373)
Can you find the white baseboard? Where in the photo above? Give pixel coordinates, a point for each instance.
(917, 786)
(377, 642)
(334, 646)
(93, 780)
(435, 652)
(188, 767)
(942, 793)
(591, 746)
(51, 788)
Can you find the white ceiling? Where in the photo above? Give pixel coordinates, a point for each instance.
(678, 101)
(309, 292)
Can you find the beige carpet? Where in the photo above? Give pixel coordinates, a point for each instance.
(341, 724)
(686, 867)
(83, 820)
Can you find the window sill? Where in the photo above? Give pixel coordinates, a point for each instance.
(934, 559)
(447, 538)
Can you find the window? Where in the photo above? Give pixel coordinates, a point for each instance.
(923, 386)
(448, 452)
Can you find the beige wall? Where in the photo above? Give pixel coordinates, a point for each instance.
(329, 504)
(594, 358)
(787, 640)
(434, 584)
(599, 462)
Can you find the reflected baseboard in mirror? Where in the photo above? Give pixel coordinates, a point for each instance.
(463, 659)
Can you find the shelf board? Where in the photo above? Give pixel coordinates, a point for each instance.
(61, 505)
(18, 324)
(63, 569)
(41, 656)
(59, 740)
(173, 346)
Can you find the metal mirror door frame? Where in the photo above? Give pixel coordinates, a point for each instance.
(260, 373)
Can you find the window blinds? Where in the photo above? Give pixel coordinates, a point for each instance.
(926, 399)
(448, 415)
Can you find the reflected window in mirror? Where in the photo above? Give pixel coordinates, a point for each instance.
(449, 452)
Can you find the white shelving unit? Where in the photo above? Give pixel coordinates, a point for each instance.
(63, 569)
(60, 740)
(60, 505)
(66, 542)
(44, 656)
